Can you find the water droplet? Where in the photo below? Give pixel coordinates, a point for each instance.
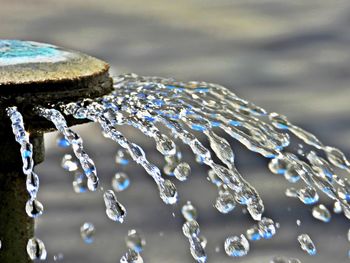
(62, 142)
(292, 174)
(277, 166)
(349, 235)
(279, 121)
(131, 257)
(291, 192)
(306, 244)
(182, 171)
(189, 212)
(120, 182)
(80, 182)
(87, 233)
(321, 213)
(36, 249)
(337, 157)
(168, 192)
(337, 207)
(58, 257)
(236, 246)
(253, 233)
(308, 195)
(135, 241)
(266, 228)
(121, 157)
(114, 209)
(190, 228)
(298, 222)
(214, 178)
(34, 208)
(68, 163)
(225, 202)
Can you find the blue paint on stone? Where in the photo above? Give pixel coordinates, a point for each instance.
(14, 52)
(17, 48)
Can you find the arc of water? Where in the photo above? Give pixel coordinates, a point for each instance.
(76, 141)
(96, 112)
(33, 207)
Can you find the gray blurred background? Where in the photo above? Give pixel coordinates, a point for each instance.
(291, 57)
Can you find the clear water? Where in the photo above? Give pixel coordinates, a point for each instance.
(166, 110)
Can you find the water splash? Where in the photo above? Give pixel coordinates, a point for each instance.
(185, 109)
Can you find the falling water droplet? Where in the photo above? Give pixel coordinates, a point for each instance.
(62, 141)
(34, 208)
(87, 233)
(253, 233)
(182, 171)
(349, 235)
(321, 213)
(120, 182)
(266, 228)
(298, 222)
(189, 212)
(131, 257)
(36, 249)
(168, 192)
(225, 202)
(308, 195)
(135, 241)
(80, 182)
(306, 244)
(121, 157)
(114, 209)
(68, 163)
(236, 246)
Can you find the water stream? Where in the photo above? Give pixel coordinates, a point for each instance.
(152, 104)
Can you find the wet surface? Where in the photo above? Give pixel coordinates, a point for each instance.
(291, 58)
